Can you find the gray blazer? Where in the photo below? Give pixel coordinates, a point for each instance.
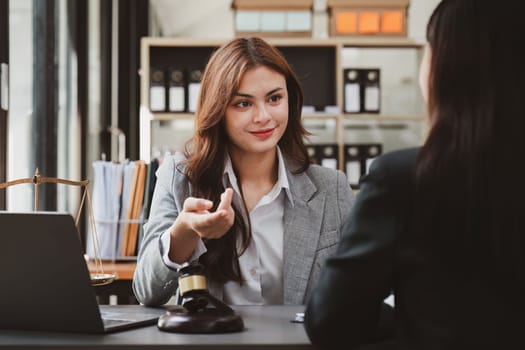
(312, 226)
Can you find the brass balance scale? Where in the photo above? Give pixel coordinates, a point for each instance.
(98, 278)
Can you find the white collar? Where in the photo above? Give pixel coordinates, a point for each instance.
(230, 180)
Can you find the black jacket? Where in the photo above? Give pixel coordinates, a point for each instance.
(436, 307)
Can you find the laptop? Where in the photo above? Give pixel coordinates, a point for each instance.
(46, 284)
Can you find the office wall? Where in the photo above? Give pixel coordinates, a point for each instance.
(194, 19)
(20, 103)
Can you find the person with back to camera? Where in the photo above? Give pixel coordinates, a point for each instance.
(442, 226)
(244, 201)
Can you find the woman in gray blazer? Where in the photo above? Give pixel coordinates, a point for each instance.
(244, 199)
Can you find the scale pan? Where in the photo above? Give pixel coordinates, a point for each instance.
(100, 279)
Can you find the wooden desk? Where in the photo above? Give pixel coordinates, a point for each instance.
(266, 327)
(121, 287)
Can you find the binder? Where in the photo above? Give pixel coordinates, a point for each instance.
(324, 154)
(371, 91)
(194, 85)
(299, 21)
(352, 90)
(128, 177)
(247, 21)
(273, 21)
(136, 196)
(328, 155)
(176, 90)
(372, 150)
(352, 159)
(358, 158)
(368, 22)
(362, 92)
(151, 181)
(157, 90)
(312, 154)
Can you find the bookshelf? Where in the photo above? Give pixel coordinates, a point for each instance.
(320, 65)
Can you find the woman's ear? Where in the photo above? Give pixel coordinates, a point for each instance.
(424, 72)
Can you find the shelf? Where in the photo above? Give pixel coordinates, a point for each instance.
(272, 4)
(320, 115)
(380, 41)
(166, 116)
(360, 116)
(319, 64)
(356, 41)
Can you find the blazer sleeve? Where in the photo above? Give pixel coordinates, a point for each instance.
(345, 306)
(154, 282)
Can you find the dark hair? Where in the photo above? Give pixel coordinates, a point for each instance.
(470, 183)
(207, 149)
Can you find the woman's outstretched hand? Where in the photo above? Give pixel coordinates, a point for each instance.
(211, 225)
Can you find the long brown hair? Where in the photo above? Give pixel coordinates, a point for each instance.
(207, 149)
(470, 188)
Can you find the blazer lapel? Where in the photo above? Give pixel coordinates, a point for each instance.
(302, 224)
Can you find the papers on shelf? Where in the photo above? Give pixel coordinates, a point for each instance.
(121, 195)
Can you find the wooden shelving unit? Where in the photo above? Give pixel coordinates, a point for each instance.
(328, 52)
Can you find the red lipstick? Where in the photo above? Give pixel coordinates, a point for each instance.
(263, 134)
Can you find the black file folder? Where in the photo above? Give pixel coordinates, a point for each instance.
(371, 151)
(328, 155)
(371, 91)
(352, 159)
(357, 158)
(194, 84)
(157, 90)
(176, 90)
(352, 90)
(362, 90)
(312, 154)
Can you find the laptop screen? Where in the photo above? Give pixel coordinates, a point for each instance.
(45, 279)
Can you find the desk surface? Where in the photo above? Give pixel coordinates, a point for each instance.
(266, 327)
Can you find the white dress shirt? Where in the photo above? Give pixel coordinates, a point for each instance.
(261, 263)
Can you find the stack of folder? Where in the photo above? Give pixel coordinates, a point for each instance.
(122, 195)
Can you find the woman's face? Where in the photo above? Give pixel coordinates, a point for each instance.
(424, 71)
(256, 117)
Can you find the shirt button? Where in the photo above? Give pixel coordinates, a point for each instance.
(253, 271)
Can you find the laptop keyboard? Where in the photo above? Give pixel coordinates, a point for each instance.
(113, 318)
(109, 322)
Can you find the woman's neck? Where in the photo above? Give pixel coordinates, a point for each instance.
(256, 176)
(255, 167)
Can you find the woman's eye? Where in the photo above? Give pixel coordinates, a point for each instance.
(242, 104)
(275, 98)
